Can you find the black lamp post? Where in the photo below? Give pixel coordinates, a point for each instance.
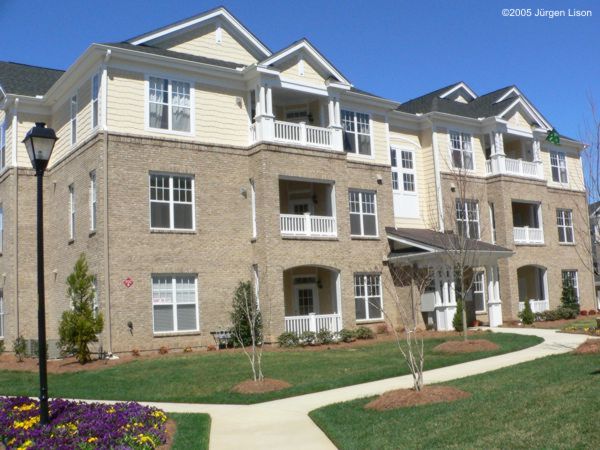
(40, 142)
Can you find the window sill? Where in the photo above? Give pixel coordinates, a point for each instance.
(310, 238)
(170, 132)
(368, 321)
(567, 244)
(177, 334)
(167, 231)
(364, 238)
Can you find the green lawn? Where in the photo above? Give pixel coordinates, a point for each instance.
(547, 403)
(209, 377)
(193, 431)
(581, 323)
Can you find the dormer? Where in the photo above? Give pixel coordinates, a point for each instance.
(460, 93)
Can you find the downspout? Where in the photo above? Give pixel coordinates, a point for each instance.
(105, 194)
(15, 132)
(438, 179)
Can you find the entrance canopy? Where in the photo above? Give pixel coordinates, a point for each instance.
(428, 247)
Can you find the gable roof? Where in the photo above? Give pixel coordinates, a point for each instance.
(495, 103)
(199, 20)
(171, 54)
(304, 45)
(23, 79)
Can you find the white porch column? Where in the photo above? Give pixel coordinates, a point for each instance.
(337, 138)
(444, 313)
(498, 154)
(494, 302)
(537, 157)
(265, 124)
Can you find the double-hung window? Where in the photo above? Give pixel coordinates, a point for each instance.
(171, 202)
(2, 145)
(403, 170)
(174, 303)
(95, 92)
(569, 277)
(71, 211)
(564, 222)
(73, 120)
(363, 213)
(558, 163)
(461, 149)
(169, 105)
(93, 200)
(467, 218)
(479, 291)
(367, 296)
(357, 132)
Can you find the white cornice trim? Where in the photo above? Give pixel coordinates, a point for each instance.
(412, 243)
(457, 87)
(530, 110)
(198, 20)
(512, 90)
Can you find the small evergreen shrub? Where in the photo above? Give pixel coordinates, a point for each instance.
(20, 348)
(1, 347)
(364, 333)
(527, 316)
(592, 312)
(288, 339)
(583, 312)
(346, 335)
(568, 298)
(325, 337)
(308, 338)
(244, 312)
(457, 322)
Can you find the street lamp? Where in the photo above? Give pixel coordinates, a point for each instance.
(39, 142)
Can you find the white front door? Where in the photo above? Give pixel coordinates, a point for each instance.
(306, 298)
(404, 187)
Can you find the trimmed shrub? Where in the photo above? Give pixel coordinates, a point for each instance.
(364, 333)
(325, 337)
(163, 350)
(1, 347)
(592, 312)
(308, 338)
(346, 335)
(288, 339)
(527, 316)
(457, 322)
(20, 348)
(583, 312)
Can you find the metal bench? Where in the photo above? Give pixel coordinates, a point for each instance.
(223, 338)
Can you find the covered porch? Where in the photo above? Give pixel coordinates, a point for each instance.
(533, 286)
(433, 251)
(312, 297)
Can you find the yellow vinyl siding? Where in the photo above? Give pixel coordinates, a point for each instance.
(518, 119)
(61, 122)
(202, 42)
(290, 71)
(443, 141)
(218, 118)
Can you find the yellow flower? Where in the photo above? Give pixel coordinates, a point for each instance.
(159, 415)
(25, 445)
(92, 439)
(26, 407)
(26, 424)
(12, 441)
(111, 410)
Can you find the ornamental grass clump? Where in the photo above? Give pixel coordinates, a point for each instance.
(80, 425)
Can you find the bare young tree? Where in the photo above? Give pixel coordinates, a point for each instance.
(247, 328)
(405, 324)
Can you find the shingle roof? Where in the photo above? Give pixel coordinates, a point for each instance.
(483, 106)
(23, 79)
(443, 241)
(171, 54)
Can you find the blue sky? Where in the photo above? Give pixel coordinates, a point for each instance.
(398, 49)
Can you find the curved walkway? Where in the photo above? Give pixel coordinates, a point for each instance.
(284, 424)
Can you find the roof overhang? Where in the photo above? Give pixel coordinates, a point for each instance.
(457, 87)
(530, 110)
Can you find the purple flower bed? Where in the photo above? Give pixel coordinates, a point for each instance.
(80, 425)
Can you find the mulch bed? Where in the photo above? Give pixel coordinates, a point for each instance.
(171, 429)
(9, 362)
(259, 387)
(474, 345)
(589, 346)
(403, 398)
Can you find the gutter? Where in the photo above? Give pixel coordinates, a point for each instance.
(438, 179)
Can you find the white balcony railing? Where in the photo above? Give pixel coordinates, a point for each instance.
(526, 235)
(537, 306)
(518, 167)
(300, 133)
(313, 322)
(307, 225)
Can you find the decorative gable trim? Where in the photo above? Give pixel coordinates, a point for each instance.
(512, 91)
(200, 20)
(455, 88)
(530, 110)
(306, 46)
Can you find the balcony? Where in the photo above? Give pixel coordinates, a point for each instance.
(507, 154)
(516, 167)
(308, 225)
(526, 235)
(313, 322)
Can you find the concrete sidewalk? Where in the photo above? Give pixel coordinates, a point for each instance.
(284, 424)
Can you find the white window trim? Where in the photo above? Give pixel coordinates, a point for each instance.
(94, 127)
(72, 212)
(1, 228)
(576, 284)
(401, 170)
(450, 149)
(466, 220)
(366, 296)
(171, 202)
(483, 292)
(3, 145)
(93, 200)
(170, 78)
(73, 102)
(562, 211)
(253, 206)
(562, 183)
(371, 154)
(174, 303)
(492, 210)
(312, 285)
(362, 231)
